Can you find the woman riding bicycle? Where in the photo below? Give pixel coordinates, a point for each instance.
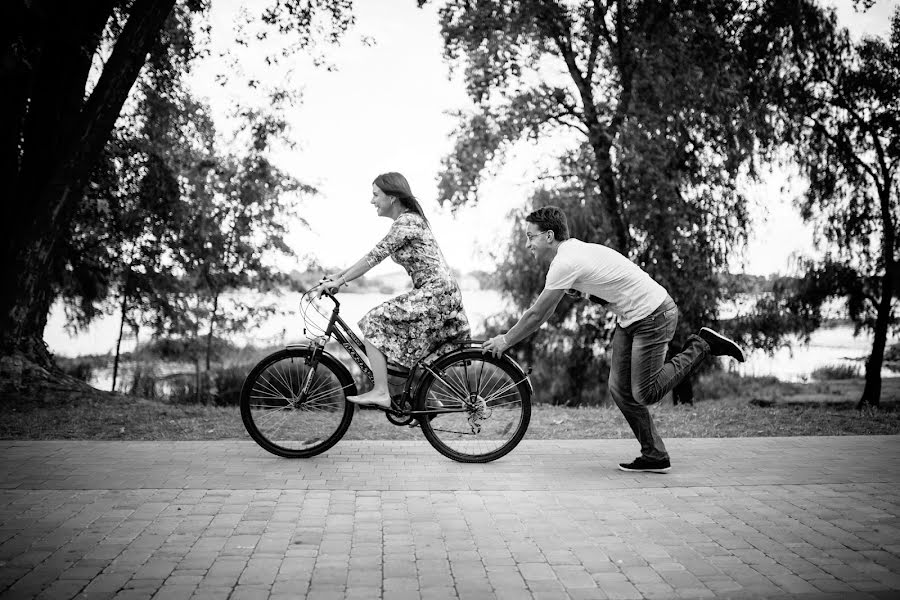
(408, 327)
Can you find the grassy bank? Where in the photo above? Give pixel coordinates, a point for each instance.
(742, 407)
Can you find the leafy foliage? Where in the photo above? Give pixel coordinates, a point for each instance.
(92, 161)
(842, 105)
(234, 225)
(666, 104)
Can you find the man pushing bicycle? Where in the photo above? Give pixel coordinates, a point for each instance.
(639, 374)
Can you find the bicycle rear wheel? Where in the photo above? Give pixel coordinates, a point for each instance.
(285, 422)
(493, 400)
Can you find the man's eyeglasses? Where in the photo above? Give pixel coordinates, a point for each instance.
(531, 236)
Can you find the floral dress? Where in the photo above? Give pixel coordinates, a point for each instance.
(408, 327)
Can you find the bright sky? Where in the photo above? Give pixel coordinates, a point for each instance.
(385, 108)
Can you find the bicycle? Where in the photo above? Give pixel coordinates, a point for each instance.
(471, 407)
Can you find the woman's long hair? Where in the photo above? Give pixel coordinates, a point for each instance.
(395, 185)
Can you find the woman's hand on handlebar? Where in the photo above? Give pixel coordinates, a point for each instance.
(330, 285)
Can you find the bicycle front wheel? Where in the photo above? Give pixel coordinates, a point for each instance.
(287, 423)
(491, 403)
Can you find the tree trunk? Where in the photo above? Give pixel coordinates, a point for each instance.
(197, 395)
(47, 187)
(119, 343)
(195, 350)
(871, 395)
(606, 180)
(600, 136)
(209, 336)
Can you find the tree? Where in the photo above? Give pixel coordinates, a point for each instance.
(665, 103)
(68, 69)
(844, 120)
(130, 221)
(119, 243)
(235, 222)
(56, 122)
(664, 98)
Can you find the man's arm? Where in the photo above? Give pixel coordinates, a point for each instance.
(528, 323)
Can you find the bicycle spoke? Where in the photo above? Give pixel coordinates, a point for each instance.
(501, 391)
(271, 415)
(450, 395)
(450, 386)
(515, 402)
(462, 381)
(268, 385)
(495, 381)
(277, 373)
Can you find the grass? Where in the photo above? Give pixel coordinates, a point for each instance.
(831, 372)
(814, 409)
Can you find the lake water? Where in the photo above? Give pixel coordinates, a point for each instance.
(833, 346)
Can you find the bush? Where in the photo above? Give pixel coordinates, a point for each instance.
(832, 372)
(179, 349)
(143, 382)
(723, 384)
(179, 388)
(221, 387)
(892, 353)
(892, 357)
(226, 383)
(78, 368)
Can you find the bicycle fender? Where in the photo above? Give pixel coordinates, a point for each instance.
(466, 348)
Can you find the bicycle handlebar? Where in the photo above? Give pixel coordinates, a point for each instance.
(319, 294)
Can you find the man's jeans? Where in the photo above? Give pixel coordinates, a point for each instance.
(640, 376)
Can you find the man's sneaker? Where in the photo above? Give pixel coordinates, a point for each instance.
(719, 345)
(646, 465)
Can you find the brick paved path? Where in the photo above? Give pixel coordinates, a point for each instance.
(736, 518)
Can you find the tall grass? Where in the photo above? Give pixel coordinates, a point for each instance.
(716, 385)
(833, 372)
(220, 386)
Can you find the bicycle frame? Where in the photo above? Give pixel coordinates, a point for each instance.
(345, 336)
(340, 331)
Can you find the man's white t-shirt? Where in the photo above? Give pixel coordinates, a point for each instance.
(601, 271)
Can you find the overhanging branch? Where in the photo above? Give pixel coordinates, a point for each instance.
(99, 115)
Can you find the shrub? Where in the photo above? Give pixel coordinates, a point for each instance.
(840, 371)
(178, 349)
(143, 382)
(221, 386)
(892, 357)
(179, 388)
(78, 368)
(725, 384)
(226, 383)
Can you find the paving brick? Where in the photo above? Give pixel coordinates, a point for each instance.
(554, 519)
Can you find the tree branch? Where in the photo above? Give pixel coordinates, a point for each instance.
(625, 69)
(868, 128)
(600, 8)
(558, 35)
(598, 28)
(105, 103)
(579, 126)
(818, 125)
(68, 37)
